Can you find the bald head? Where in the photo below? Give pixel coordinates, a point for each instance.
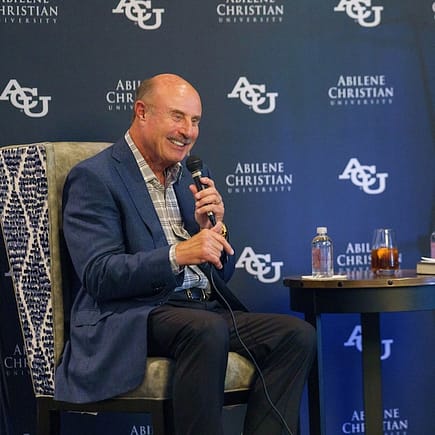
(162, 83)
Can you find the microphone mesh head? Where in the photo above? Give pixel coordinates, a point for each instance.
(194, 164)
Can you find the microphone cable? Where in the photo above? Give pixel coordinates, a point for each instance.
(257, 367)
(194, 165)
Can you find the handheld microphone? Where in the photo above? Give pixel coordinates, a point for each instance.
(194, 165)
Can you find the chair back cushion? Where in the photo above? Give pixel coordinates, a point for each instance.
(31, 182)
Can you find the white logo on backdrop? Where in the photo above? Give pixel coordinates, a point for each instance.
(259, 177)
(25, 99)
(254, 96)
(361, 11)
(122, 96)
(357, 257)
(15, 364)
(356, 90)
(393, 423)
(355, 340)
(263, 11)
(260, 266)
(30, 13)
(141, 430)
(364, 177)
(141, 13)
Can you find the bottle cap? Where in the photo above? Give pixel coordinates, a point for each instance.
(322, 230)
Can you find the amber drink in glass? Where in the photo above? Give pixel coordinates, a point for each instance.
(385, 254)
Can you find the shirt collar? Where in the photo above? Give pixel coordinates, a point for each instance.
(172, 173)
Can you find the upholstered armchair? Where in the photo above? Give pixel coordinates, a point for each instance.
(31, 182)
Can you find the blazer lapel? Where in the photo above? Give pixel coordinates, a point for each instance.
(186, 201)
(128, 170)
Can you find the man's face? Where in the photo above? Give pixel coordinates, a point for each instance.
(171, 124)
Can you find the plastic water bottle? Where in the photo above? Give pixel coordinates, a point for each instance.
(432, 245)
(322, 259)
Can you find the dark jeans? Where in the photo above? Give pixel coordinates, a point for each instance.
(198, 335)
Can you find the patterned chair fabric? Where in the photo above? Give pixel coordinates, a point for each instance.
(31, 183)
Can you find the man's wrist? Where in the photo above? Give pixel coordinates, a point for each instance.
(173, 260)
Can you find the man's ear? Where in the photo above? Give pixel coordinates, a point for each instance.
(140, 109)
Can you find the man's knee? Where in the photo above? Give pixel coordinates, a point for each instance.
(308, 336)
(300, 333)
(210, 333)
(305, 339)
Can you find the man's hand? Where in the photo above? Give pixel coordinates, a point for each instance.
(207, 200)
(205, 247)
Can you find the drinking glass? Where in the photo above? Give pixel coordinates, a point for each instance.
(385, 255)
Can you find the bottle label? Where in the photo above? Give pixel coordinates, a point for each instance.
(322, 262)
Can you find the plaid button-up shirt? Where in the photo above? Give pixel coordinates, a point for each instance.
(166, 206)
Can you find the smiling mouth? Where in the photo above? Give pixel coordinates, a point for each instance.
(179, 143)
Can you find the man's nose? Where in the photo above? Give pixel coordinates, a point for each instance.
(186, 128)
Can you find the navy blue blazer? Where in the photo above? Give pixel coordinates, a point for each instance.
(121, 257)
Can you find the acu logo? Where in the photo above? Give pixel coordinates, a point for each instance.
(25, 99)
(364, 177)
(259, 265)
(254, 96)
(361, 11)
(140, 12)
(355, 339)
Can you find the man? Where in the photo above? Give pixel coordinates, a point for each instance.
(153, 270)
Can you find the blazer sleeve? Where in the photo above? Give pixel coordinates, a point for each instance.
(116, 254)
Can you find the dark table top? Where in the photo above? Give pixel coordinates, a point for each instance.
(363, 293)
(366, 279)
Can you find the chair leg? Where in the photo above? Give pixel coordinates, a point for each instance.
(159, 424)
(47, 419)
(55, 422)
(162, 420)
(42, 417)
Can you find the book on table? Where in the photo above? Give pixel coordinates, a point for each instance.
(426, 266)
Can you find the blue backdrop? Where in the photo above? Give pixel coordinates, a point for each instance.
(316, 113)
